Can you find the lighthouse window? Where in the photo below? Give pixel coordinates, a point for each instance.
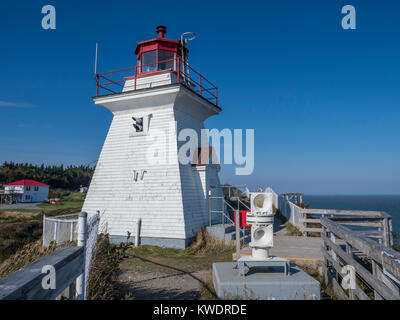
(166, 59)
(140, 125)
(149, 61)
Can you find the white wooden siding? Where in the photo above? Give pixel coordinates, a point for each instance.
(170, 198)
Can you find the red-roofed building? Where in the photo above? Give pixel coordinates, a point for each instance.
(27, 190)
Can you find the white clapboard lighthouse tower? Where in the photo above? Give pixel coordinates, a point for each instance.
(139, 175)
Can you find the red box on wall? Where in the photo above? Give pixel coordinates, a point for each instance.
(242, 214)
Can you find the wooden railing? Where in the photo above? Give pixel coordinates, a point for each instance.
(65, 267)
(26, 284)
(376, 224)
(376, 266)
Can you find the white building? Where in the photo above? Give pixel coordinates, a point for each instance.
(138, 175)
(27, 191)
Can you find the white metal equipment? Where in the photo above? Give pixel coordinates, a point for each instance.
(261, 219)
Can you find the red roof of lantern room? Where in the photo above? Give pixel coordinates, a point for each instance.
(27, 183)
(160, 43)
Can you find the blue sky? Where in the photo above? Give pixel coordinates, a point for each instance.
(324, 102)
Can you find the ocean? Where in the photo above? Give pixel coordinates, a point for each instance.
(390, 204)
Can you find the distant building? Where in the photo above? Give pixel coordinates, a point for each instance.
(27, 191)
(83, 189)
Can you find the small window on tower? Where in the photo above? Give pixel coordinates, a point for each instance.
(140, 125)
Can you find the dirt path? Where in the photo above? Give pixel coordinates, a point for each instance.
(156, 273)
(163, 282)
(168, 274)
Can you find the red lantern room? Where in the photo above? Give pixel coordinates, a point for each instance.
(160, 62)
(159, 54)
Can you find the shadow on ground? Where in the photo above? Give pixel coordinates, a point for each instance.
(151, 280)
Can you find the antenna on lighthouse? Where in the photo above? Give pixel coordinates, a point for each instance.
(185, 58)
(95, 59)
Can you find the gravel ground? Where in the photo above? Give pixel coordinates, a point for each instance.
(162, 279)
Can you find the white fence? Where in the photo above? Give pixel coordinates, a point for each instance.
(292, 212)
(66, 228)
(60, 228)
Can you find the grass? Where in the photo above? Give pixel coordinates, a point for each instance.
(72, 200)
(208, 290)
(26, 255)
(19, 227)
(313, 270)
(202, 252)
(291, 230)
(199, 256)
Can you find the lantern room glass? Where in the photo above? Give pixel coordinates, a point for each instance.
(165, 59)
(149, 61)
(157, 60)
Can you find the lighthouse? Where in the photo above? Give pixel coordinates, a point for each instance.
(141, 185)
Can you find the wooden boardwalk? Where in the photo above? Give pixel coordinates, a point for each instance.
(294, 248)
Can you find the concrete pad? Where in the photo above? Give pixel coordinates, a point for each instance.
(264, 285)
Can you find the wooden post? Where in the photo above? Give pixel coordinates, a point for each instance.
(209, 207)
(137, 235)
(82, 229)
(44, 228)
(71, 291)
(387, 232)
(326, 262)
(223, 213)
(237, 234)
(390, 228)
(333, 254)
(55, 231)
(349, 251)
(375, 273)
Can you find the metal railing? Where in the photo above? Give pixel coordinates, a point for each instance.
(113, 82)
(225, 219)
